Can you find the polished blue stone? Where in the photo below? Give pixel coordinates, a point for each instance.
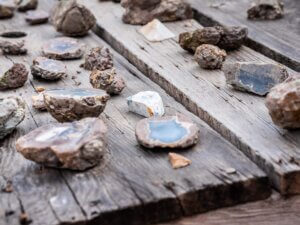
(75, 92)
(63, 46)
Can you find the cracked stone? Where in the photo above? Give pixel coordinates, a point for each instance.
(99, 58)
(67, 105)
(15, 77)
(72, 19)
(13, 48)
(36, 17)
(7, 8)
(146, 103)
(266, 10)
(178, 161)
(167, 132)
(48, 69)
(143, 11)
(12, 113)
(78, 145)
(156, 31)
(257, 78)
(38, 102)
(25, 5)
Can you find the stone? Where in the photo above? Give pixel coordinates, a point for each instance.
(254, 77)
(143, 11)
(63, 48)
(7, 8)
(12, 113)
(156, 31)
(117, 1)
(67, 105)
(38, 102)
(48, 69)
(34, 17)
(72, 19)
(283, 103)
(107, 80)
(266, 10)
(178, 161)
(79, 145)
(13, 48)
(99, 58)
(146, 103)
(25, 5)
(232, 38)
(13, 34)
(15, 77)
(39, 89)
(176, 131)
(210, 56)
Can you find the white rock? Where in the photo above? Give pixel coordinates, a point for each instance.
(156, 31)
(38, 102)
(146, 103)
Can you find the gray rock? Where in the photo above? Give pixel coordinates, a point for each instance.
(99, 58)
(266, 10)
(48, 69)
(15, 77)
(13, 48)
(7, 8)
(34, 17)
(257, 78)
(12, 113)
(25, 5)
(77, 146)
(167, 132)
(67, 105)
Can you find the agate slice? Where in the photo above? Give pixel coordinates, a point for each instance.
(48, 69)
(38, 102)
(266, 10)
(13, 48)
(36, 17)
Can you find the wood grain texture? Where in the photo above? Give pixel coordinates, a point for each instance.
(240, 117)
(278, 39)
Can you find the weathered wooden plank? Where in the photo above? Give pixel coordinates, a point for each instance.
(278, 39)
(240, 117)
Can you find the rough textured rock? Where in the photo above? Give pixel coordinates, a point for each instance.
(156, 31)
(48, 69)
(25, 5)
(12, 112)
(7, 8)
(146, 103)
(167, 132)
(13, 48)
(210, 56)
(15, 77)
(67, 105)
(107, 80)
(144, 11)
(38, 102)
(37, 17)
(77, 146)
(13, 34)
(283, 103)
(63, 48)
(72, 19)
(232, 38)
(178, 161)
(266, 10)
(99, 58)
(257, 78)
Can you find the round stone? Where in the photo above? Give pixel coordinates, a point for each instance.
(15, 77)
(48, 69)
(34, 17)
(167, 132)
(63, 48)
(78, 145)
(67, 105)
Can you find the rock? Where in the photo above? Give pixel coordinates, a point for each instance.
(178, 161)
(77, 146)
(7, 8)
(13, 48)
(99, 58)
(156, 31)
(143, 11)
(167, 132)
(283, 103)
(36, 17)
(146, 103)
(210, 56)
(40, 89)
(25, 5)
(107, 80)
(15, 77)
(257, 78)
(48, 69)
(38, 102)
(63, 48)
(13, 34)
(117, 1)
(232, 38)
(72, 19)
(67, 105)
(266, 10)
(12, 113)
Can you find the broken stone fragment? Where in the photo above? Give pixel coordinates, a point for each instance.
(107, 80)
(67, 105)
(48, 69)
(25, 5)
(38, 102)
(167, 132)
(72, 19)
(143, 11)
(77, 146)
(257, 78)
(12, 113)
(283, 103)
(156, 31)
(146, 103)
(15, 77)
(210, 56)
(7, 8)
(232, 38)
(13, 48)
(63, 48)
(36, 17)
(178, 161)
(266, 10)
(99, 58)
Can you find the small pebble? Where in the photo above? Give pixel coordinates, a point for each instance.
(13, 48)
(156, 31)
(266, 10)
(39, 89)
(99, 58)
(178, 161)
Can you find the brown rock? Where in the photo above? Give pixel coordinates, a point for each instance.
(25, 5)
(13, 48)
(7, 8)
(232, 38)
(266, 10)
(48, 69)
(15, 77)
(178, 161)
(99, 58)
